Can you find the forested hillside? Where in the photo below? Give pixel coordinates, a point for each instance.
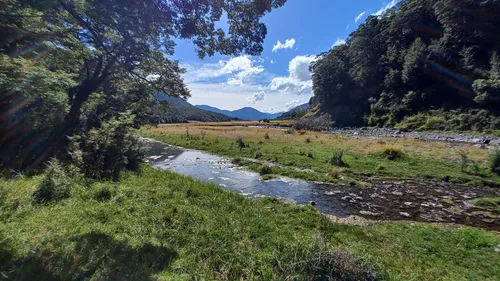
(177, 110)
(432, 64)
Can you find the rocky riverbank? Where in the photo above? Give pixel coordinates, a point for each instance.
(477, 140)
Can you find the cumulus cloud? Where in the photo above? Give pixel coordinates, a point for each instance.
(289, 43)
(359, 17)
(257, 97)
(386, 7)
(299, 79)
(338, 42)
(235, 70)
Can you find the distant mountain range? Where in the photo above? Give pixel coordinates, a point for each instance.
(246, 113)
(181, 111)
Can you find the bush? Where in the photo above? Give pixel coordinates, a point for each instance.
(336, 172)
(495, 161)
(240, 142)
(236, 160)
(337, 160)
(391, 152)
(308, 140)
(464, 160)
(321, 123)
(265, 170)
(105, 151)
(266, 136)
(103, 193)
(258, 154)
(55, 186)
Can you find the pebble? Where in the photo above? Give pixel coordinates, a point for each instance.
(405, 214)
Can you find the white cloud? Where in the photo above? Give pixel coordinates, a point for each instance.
(272, 61)
(289, 43)
(299, 79)
(236, 70)
(386, 7)
(338, 42)
(347, 27)
(359, 17)
(257, 97)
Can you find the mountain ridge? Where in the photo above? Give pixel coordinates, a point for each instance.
(245, 113)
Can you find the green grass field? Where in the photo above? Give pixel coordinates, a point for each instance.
(314, 151)
(157, 225)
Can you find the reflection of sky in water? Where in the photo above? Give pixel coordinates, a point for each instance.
(211, 168)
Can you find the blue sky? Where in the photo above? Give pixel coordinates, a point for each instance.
(278, 79)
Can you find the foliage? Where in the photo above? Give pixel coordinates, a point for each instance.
(320, 123)
(265, 170)
(70, 51)
(266, 136)
(239, 141)
(495, 161)
(491, 203)
(391, 152)
(419, 56)
(55, 185)
(337, 159)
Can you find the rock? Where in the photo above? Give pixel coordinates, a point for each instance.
(397, 193)
(497, 248)
(409, 204)
(405, 214)
(368, 213)
(476, 140)
(331, 193)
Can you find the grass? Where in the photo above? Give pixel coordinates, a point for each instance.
(490, 203)
(158, 225)
(400, 158)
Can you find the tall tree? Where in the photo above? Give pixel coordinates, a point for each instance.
(101, 43)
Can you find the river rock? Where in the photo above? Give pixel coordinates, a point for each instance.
(405, 214)
(368, 213)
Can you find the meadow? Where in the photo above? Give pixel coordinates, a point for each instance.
(315, 156)
(157, 225)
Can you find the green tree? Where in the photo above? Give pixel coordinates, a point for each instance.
(112, 47)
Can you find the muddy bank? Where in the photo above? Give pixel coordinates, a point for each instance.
(384, 199)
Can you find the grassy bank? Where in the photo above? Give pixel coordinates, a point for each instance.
(157, 225)
(401, 158)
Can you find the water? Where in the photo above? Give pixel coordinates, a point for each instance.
(385, 199)
(211, 168)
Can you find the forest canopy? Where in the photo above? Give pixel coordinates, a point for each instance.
(425, 58)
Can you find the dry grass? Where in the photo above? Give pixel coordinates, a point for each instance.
(435, 149)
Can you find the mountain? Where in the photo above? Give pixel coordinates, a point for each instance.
(246, 113)
(295, 112)
(181, 111)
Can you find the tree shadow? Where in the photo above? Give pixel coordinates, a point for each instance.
(96, 256)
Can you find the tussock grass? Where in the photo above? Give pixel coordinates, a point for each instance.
(157, 225)
(491, 203)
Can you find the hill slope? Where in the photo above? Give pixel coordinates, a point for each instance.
(181, 111)
(295, 112)
(246, 113)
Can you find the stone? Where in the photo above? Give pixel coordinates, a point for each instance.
(368, 213)
(405, 214)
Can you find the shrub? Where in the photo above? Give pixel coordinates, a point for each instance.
(336, 172)
(333, 264)
(258, 154)
(266, 136)
(337, 159)
(308, 140)
(265, 170)
(310, 155)
(495, 161)
(240, 142)
(55, 186)
(464, 159)
(236, 160)
(320, 123)
(391, 152)
(103, 152)
(289, 131)
(103, 193)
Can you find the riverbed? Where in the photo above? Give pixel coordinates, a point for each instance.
(383, 199)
